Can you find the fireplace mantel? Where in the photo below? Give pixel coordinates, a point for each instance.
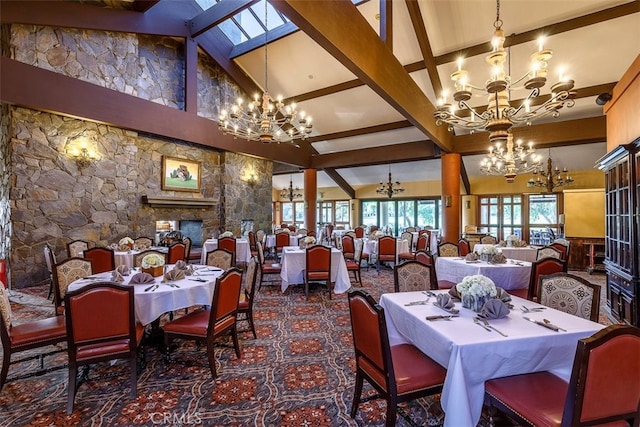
(178, 202)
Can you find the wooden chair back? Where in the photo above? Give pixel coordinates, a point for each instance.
(102, 259)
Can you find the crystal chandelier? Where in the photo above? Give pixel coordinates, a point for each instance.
(500, 115)
(265, 119)
(509, 160)
(290, 193)
(553, 177)
(389, 188)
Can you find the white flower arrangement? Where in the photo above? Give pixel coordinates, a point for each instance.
(125, 241)
(309, 240)
(477, 286)
(226, 234)
(489, 250)
(152, 260)
(377, 234)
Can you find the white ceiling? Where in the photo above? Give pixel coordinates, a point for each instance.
(593, 55)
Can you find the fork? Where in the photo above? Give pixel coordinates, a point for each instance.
(489, 325)
(477, 322)
(531, 310)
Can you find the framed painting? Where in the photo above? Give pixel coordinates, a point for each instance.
(180, 174)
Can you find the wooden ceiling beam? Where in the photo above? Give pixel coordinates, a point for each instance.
(425, 46)
(332, 24)
(340, 181)
(55, 93)
(546, 135)
(396, 153)
(361, 131)
(144, 5)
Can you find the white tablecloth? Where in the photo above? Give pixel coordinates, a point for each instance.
(511, 275)
(293, 240)
(371, 247)
(243, 253)
(151, 305)
(473, 355)
(526, 253)
(294, 262)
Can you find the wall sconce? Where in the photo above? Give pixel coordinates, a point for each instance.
(79, 151)
(252, 180)
(447, 201)
(468, 204)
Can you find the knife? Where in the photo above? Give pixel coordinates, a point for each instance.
(149, 288)
(546, 325)
(442, 317)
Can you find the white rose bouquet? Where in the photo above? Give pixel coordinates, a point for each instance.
(477, 286)
(226, 234)
(307, 241)
(489, 250)
(377, 234)
(152, 260)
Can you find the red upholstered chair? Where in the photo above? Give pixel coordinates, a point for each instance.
(414, 276)
(102, 259)
(464, 247)
(359, 232)
(348, 247)
(564, 250)
(267, 268)
(399, 373)
(421, 245)
(101, 326)
(428, 234)
(353, 265)
(26, 336)
(177, 252)
(311, 233)
(292, 228)
(539, 268)
(228, 243)
(252, 243)
(282, 240)
(318, 267)
(373, 228)
(64, 273)
(387, 248)
(603, 388)
(208, 324)
(549, 252)
(245, 305)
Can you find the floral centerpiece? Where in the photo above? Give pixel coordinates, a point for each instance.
(153, 264)
(125, 244)
(376, 235)
(512, 240)
(488, 252)
(476, 290)
(226, 234)
(307, 241)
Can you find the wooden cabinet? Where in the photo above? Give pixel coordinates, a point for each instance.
(595, 254)
(622, 245)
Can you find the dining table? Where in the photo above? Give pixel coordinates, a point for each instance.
(294, 262)
(370, 246)
(243, 251)
(524, 253)
(513, 274)
(151, 300)
(473, 354)
(293, 240)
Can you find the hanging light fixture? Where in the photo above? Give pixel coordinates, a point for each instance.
(290, 193)
(264, 119)
(389, 188)
(509, 160)
(552, 178)
(500, 116)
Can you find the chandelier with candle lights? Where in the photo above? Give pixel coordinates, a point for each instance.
(500, 115)
(290, 193)
(510, 159)
(265, 119)
(389, 188)
(550, 179)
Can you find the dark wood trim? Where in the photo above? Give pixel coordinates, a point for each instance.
(425, 46)
(59, 94)
(256, 43)
(216, 14)
(547, 135)
(144, 5)
(396, 153)
(339, 180)
(332, 25)
(386, 22)
(464, 177)
(191, 75)
(361, 131)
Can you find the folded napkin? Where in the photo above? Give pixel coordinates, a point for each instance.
(454, 292)
(445, 302)
(183, 266)
(471, 256)
(498, 259)
(141, 278)
(174, 274)
(116, 276)
(494, 309)
(123, 269)
(502, 295)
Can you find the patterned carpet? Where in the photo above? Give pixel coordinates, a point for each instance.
(298, 372)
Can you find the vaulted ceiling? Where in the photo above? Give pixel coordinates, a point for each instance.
(369, 73)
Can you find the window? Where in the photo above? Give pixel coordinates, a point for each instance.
(342, 213)
(543, 218)
(400, 214)
(501, 216)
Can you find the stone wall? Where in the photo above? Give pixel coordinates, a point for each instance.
(5, 162)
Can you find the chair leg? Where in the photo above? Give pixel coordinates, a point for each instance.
(236, 343)
(357, 392)
(212, 358)
(249, 315)
(329, 287)
(306, 289)
(71, 389)
(6, 361)
(392, 412)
